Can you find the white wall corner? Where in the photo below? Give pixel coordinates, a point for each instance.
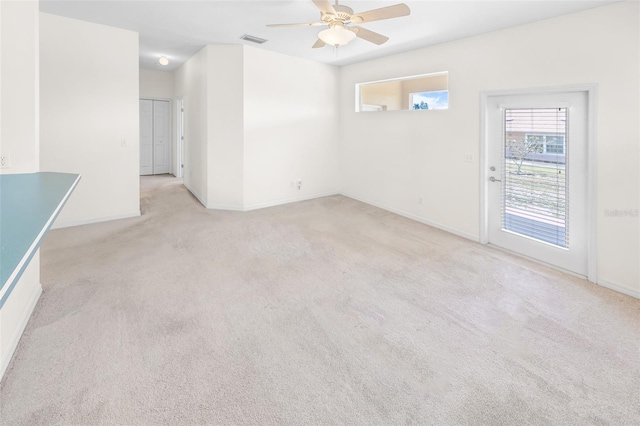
(195, 194)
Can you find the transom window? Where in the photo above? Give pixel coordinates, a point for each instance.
(429, 100)
(419, 92)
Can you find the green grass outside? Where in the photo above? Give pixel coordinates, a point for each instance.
(539, 189)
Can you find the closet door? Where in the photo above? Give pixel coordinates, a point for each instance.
(161, 138)
(146, 137)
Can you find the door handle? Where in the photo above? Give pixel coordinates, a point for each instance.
(492, 179)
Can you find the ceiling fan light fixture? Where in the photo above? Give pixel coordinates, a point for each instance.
(336, 36)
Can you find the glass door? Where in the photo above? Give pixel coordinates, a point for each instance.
(537, 177)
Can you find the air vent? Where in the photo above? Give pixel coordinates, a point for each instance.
(253, 39)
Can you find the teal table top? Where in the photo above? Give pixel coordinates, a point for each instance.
(29, 204)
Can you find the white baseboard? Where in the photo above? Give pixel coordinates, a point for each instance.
(256, 206)
(620, 288)
(412, 216)
(95, 220)
(615, 287)
(288, 200)
(15, 339)
(195, 194)
(225, 207)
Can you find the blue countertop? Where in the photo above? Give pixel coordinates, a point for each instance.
(29, 204)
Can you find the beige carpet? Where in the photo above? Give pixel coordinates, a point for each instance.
(327, 311)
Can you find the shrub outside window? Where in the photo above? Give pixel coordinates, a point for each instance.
(551, 144)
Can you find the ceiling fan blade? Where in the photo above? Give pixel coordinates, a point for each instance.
(309, 24)
(319, 43)
(369, 35)
(325, 6)
(383, 13)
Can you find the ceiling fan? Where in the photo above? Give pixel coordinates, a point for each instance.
(339, 19)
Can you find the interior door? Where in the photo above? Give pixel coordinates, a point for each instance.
(146, 137)
(537, 173)
(161, 138)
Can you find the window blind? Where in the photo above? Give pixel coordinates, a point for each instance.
(535, 196)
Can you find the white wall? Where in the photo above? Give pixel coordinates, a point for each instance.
(291, 125)
(190, 83)
(253, 124)
(19, 85)
(211, 83)
(393, 158)
(19, 118)
(225, 145)
(89, 116)
(156, 84)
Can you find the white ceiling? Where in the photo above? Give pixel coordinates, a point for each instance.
(178, 29)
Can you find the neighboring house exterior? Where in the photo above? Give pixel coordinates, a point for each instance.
(541, 132)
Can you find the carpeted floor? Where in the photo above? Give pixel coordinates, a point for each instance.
(327, 311)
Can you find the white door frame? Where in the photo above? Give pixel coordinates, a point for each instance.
(179, 137)
(148, 170)
(592, 195)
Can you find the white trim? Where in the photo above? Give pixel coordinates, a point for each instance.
(179, 140)
(95, 220)
(592, 182)
(592, 178)
(288, 200)
(542, 104)
(620, 288)
(484, 161)
(195, 194)
(156, 99)
(537, 261)
(22, 324)
(602, 283)
(36, 242)
(545, 90)
(414, 217)
(256, 206)
(233, 208)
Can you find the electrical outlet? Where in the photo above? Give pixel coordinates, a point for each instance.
(5, 161)
(299, 184)
(420, 200)
(468, 158)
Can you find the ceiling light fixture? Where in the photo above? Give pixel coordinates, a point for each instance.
(337, 35)
(163, 61)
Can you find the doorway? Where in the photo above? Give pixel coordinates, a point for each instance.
(538, 191)
(155, 137)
